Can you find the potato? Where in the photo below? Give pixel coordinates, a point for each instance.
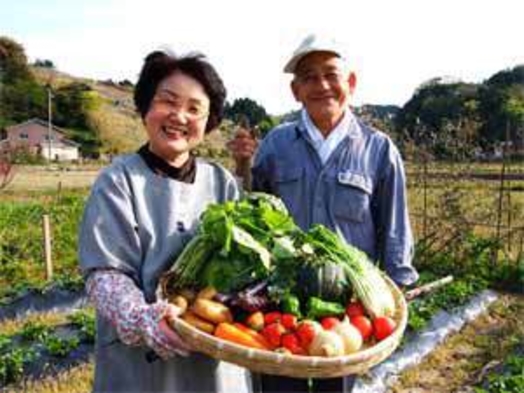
(212, 311)
(198, 322)
(189, 294)
(207, 293)
(179, 301)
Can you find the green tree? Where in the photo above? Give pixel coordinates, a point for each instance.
(247, 107)
(267, 124)
(20, 95)
(72, 103)
(501, 100)
(44, 63)
(13, 60)
(444, 117)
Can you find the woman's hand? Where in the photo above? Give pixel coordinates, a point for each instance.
(163, 339)
(137, 322)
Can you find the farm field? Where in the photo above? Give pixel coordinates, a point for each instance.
(41, 178)
(456, 213)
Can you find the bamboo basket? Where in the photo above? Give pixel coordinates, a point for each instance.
(268, 362)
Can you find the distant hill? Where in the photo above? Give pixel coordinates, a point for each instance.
(453, 119)
(118, 126)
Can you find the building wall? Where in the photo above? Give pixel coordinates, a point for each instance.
(61, 153)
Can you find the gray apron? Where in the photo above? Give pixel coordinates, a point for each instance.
(137, 222)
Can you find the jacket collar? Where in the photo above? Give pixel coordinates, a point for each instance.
(354, 127)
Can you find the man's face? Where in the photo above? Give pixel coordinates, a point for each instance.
(324, 86)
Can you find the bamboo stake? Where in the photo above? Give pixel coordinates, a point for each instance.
(47, 247)
(413, 293)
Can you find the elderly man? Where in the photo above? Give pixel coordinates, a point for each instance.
(330, 168)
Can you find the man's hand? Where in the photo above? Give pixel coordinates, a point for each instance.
(243, 146)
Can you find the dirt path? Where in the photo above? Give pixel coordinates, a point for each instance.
(464, 359)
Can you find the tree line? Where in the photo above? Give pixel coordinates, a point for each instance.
(453, 118)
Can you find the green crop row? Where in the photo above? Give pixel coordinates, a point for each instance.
(21, 240)
(35, 337)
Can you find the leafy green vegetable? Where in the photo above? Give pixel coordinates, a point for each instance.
(233, 246)
(283, 248)
(189, 265)
(366, 279)
(240, 242)
(245, 240)
(228, 274)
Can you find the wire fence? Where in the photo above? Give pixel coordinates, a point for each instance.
(456, 200)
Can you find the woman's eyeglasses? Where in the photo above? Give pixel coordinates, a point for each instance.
(171, 103)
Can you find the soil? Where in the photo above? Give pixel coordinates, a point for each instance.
(465, 358)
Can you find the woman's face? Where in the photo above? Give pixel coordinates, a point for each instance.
(177, 118)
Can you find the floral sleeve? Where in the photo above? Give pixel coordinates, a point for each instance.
(119, 300)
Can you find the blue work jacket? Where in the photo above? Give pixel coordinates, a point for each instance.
(360, 192)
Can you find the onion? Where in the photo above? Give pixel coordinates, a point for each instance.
(350, 335)
(326, 343)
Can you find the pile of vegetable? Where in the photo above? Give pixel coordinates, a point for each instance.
(251, 276)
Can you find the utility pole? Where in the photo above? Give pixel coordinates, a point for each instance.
(2, 56)
(49, 122)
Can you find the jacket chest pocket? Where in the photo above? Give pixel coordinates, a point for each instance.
(288, 185)
(351, 197)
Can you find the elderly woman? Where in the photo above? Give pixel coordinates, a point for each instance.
(141, 212)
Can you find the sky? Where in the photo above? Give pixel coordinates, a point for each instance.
(393, 46)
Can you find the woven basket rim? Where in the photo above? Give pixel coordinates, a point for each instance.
(270, 362)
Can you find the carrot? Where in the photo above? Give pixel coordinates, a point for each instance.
(230, 332)
(253, 333)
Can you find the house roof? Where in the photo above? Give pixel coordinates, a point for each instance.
(36, 120)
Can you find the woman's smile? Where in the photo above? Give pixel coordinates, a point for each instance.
(174, 133)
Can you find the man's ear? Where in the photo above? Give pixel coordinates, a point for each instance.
(294, 89)
(352, 80)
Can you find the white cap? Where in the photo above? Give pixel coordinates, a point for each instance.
(313, 43)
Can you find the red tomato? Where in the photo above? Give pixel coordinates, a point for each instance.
(363, 324)
(329, 323)
(305, 332)
(354, 309)
(383, 327)
(273, 333)
(291, 342)
(289, 321)
(272, 317)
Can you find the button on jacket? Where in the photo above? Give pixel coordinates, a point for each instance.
(359, 192)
